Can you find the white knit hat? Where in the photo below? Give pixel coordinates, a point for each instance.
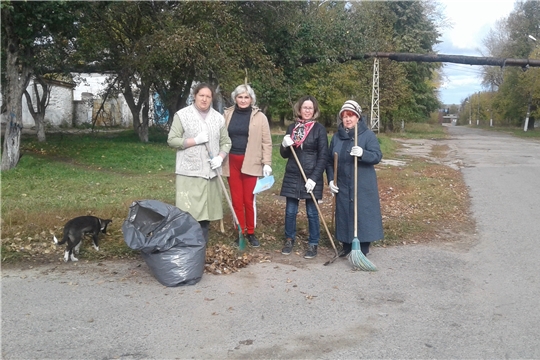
(351, 105)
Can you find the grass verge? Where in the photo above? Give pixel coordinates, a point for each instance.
(102, 174)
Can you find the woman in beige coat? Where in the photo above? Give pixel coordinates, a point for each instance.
(250, 156)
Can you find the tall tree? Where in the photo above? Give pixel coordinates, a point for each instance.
(201, 41)
(115, 38)
(29, 31)
(517, 91)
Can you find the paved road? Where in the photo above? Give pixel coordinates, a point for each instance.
(473, 297)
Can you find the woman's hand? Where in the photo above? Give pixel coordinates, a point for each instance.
(216, 162)
(267, 170)
(287, 141)
(201, 138)
(310, 185)
(357, 151)
(333, 187)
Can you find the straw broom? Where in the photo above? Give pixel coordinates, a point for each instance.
(357, 259)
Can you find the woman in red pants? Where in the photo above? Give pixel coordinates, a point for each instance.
(250, 156)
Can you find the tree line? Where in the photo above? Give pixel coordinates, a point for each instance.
(164, 47)
(510, 92)
(285, 49)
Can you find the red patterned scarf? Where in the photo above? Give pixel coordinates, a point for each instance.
(301, 131)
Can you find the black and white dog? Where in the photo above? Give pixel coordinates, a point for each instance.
(74, 231)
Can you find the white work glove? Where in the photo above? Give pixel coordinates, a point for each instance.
(310, 185)
(201, 138)
(287, 141)
(357, 151)
(267, 170)
(216, 162)
(333, 187)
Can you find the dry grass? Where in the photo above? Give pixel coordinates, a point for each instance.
(420, 201)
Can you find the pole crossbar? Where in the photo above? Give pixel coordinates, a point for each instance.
(457, 59)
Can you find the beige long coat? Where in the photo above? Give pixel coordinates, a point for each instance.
(259, 145)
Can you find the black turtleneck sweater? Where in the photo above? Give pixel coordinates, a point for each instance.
(239, 130)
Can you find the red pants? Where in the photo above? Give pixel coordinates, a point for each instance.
(242, 197)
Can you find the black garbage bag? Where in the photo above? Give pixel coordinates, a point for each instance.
(170, 240)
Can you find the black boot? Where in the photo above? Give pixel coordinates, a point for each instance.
(253, 240)
(364, 246)
(345, 250)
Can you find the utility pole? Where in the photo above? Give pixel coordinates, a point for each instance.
(375, 123)
(528, 114)
(478, 111)
(470, 109)
(491, 106)
(526, 125)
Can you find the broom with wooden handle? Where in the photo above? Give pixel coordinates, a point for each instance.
(241, 238)
(357, 259)
(334, 196)
(318, 209)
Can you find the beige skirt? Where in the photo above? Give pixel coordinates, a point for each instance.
(200, 197)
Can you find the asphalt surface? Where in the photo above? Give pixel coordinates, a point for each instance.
(476, 296)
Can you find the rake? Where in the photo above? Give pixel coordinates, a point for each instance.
(241, 238)
(334, 197)
(318, 209)
(357, 259)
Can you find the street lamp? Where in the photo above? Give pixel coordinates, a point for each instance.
(526, 125)
(478, 111)
(470, 110)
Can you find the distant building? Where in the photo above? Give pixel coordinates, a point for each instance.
(75, 103)
(450, 119)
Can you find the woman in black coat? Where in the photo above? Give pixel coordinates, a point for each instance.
(367, 154)
(310, 142)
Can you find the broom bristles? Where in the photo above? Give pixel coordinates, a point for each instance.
(241, 241)
(358, 260)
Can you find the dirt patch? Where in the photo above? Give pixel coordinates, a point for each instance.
(423, 148)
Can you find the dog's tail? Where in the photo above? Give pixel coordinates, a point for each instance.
(58, 242)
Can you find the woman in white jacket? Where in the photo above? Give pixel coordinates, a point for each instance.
(193, 129)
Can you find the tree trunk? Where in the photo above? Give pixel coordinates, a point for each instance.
(143, 128)
(40, 127)
(42, 101)
(140, 128)
(16, 84)
(282, 120)
(172, 110)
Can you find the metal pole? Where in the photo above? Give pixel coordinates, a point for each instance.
(375, 113)
(528, 114)
(470, 111)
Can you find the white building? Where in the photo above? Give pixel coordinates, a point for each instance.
(77, 103)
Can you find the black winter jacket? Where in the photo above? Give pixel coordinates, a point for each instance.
(313, 156)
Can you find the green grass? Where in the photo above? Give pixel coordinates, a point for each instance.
(422, 131)
(103, 173)
(529, 134)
